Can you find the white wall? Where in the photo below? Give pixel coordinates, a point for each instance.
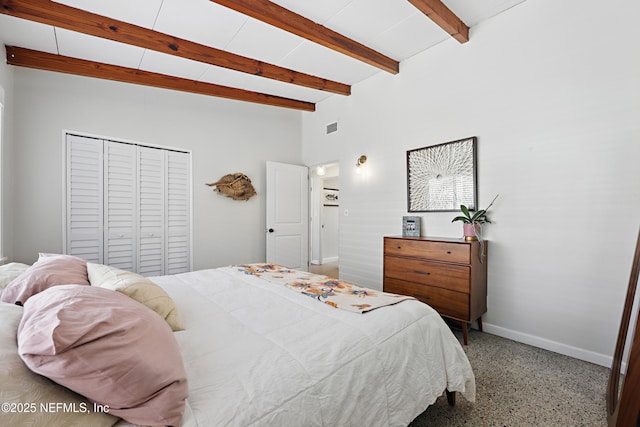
(551, 89)
(6, 155)
(224, 136)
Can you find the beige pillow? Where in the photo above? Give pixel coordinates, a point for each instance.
(28, 396)
(137, 287)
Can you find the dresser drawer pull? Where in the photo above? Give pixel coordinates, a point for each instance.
(421, 272)
(419, 296)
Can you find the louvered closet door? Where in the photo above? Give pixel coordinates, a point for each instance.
(120, 205)
(84, 198)
(128, 206)
(151, 204)
(178, 213)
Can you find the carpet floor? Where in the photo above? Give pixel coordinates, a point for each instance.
(518, 385)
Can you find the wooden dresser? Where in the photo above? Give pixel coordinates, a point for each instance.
(447, 274)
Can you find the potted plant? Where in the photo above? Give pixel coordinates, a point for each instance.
(472, 224)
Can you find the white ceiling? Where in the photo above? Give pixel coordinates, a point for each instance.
(394, 28)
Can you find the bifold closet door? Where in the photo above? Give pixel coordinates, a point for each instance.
(120, 214)
(151, 205)
(178, 213)
(128, 205)
(84, 220)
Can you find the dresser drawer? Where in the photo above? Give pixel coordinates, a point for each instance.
(446, 302)
(440, 251)
(449, 276)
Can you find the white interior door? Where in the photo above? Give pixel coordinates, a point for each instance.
(329, 233)
(120, 223)
(128, 205)
(151, 207)
(178, 213)
(287, 215)
(84, 215)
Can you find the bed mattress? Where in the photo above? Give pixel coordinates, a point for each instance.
(258, 354)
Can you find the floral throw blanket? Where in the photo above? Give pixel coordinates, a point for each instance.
(336, 293)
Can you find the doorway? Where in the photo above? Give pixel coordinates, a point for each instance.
(325, 223)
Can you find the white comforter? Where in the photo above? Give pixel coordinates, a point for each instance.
(258, 354)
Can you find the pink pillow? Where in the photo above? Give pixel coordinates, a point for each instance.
(49, 270)
(108, 347)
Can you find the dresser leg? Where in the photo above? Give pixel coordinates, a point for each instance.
(480, 323)
(465, 332)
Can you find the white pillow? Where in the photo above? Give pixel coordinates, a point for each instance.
(137, 287)
(10, 271)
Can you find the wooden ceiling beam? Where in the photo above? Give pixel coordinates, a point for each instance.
(278, 16)
(444, 17)
(70, 18)
(64, 64)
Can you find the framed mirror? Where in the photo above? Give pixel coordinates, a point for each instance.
(623, 389)
(442, 177)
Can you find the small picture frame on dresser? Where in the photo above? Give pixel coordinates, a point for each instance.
(411, 226)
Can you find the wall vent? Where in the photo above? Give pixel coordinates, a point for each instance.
(332, 127)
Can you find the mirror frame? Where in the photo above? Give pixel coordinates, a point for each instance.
(623, 405)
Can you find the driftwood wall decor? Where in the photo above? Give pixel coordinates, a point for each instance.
(235, 185)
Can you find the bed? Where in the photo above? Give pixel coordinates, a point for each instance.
(259, 352)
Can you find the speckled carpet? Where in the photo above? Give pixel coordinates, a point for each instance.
(518, 385)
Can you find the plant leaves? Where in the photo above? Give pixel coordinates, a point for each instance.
(461, 218)
(465, 211)
(478, 215)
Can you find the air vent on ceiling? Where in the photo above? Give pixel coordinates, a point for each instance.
(332, 127)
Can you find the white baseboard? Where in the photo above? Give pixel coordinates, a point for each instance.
(329, 259)
(567, 350)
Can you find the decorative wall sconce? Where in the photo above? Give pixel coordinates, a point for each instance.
(360, 163)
